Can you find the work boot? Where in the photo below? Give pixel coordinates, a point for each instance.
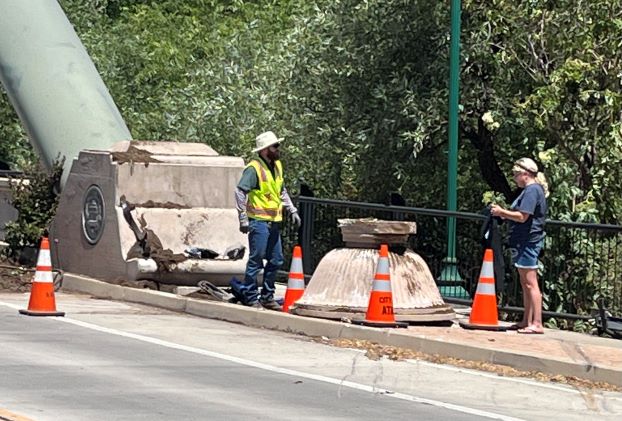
(256, 305)
(271, 305)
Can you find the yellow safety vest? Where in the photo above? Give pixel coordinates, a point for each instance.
(265, 203)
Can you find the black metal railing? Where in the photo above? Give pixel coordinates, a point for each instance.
(581, 262)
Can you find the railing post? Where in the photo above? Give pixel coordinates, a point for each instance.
(307, 214)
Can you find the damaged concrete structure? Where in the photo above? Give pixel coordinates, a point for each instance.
(131, 212)
(341, 284)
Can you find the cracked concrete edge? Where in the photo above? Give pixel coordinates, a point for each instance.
(336, 330)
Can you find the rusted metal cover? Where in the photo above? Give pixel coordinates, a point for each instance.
(342, 281)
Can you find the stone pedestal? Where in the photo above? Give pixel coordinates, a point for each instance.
(341, 284)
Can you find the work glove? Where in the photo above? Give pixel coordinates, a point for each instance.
(243, 223)
(296, 219)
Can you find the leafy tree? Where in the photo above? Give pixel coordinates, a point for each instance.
(35, 196)
(359, 90)
(14, 147)
(548, 73)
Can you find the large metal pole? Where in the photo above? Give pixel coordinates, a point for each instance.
(450, 280)
(52, 83)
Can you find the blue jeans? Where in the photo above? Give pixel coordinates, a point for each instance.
(264, 242)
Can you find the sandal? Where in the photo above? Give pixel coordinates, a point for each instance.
(531, 330)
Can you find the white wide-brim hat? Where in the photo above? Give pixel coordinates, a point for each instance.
(266, 139)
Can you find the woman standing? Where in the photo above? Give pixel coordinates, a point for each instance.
(526, 216)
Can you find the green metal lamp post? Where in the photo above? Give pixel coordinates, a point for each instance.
(449, 281)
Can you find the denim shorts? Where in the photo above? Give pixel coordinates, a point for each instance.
(525, 256)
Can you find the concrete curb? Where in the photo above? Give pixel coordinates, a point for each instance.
(337, 330)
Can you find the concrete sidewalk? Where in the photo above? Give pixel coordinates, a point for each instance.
(556, 352)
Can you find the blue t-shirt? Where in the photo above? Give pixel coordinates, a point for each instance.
(533, 202)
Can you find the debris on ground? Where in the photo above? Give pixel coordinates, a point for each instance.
(14, 278)
(134, 155)
(148, 244)
(375, 351)
(163, 205)
(144, 284)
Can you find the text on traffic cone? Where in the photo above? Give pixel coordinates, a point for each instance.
(380, 308)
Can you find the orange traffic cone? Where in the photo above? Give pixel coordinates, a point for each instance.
(380, 308)
(484, 310)
(42, 302)
(296, 280)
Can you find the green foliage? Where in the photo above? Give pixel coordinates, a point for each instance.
(198, 70)
(14, 147)
(35, 196)
(493, 198)
(549, 73)
(359, 90)
(361, 75)
(574, 285)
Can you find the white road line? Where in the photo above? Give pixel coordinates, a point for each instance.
(285, 371)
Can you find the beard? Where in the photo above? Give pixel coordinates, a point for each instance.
(273, 155)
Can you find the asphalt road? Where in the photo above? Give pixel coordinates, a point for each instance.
(116, 361)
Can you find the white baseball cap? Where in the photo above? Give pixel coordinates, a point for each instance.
(525, 164)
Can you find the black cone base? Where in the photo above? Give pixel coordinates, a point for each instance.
(379, 324)
(495, 328)
(42, 313)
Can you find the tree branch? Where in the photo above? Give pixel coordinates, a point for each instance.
(491, 172)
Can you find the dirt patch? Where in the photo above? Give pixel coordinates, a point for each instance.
(151, 246)
(203, 296)
(133, 155)
(14, 278)
(165, 205)
(376, 351)
(144, 284)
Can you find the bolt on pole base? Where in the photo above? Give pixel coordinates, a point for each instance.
(450, 282)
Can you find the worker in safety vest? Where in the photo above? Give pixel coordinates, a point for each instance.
(260, 197)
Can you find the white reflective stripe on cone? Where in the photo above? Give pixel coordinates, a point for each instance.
(295, 283)
(296, 265)
(44, 258)
(485, 288)
(43, 276)
(383, 265)
(382, 286)
(488, 270)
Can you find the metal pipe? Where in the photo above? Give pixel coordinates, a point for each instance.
(520, 310)
(61, 100)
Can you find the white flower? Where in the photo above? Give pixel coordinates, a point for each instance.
(545, 156)
(489, 122)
